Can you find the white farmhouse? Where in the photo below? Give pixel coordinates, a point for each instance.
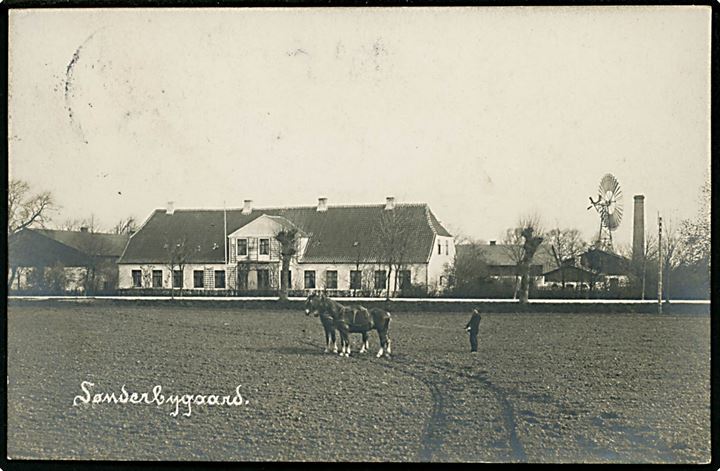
(347, 250)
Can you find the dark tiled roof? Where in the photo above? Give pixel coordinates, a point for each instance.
(502, 254)
(332, 232)
(91, 243)
(606, 263)
(42, 247)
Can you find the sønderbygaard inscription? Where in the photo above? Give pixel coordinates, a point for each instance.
(157, 397)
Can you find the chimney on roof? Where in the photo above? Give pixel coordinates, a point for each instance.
(493, 242)
(170, 207)
(247, 207)
(84, 229)
(390, 202)
(322, 204)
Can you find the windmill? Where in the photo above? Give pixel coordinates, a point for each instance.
(609, 207)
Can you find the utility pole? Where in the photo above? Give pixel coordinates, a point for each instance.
(660, 261)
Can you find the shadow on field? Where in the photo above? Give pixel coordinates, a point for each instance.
(299, 350)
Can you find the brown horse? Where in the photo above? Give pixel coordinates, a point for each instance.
(352, 319)
(327, 322)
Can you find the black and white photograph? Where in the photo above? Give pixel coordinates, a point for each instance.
(359, 234)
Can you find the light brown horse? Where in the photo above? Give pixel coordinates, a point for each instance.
(352, 319)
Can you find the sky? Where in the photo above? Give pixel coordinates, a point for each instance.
(486, 114)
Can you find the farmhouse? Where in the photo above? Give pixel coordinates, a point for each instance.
(47, 260)
(362, 249)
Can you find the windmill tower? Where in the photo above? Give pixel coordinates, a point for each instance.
(609, 208)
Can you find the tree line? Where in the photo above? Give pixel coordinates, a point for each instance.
(685, 255)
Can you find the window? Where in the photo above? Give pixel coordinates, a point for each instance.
(242, 247)
(137, 278)
(439, 248)
(380, 279)
(331, 279)
(447, 247)
(242, 279)
(198, 279)
(263, 278)
(288, 276)
(355, 279)
(264, 246)
(157, 279)
(220, 278)
(178, 279)
(309, 279)
(405, 279)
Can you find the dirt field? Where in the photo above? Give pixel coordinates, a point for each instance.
(543, 388)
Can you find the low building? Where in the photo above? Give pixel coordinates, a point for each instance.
(366, 249)
(501, 260)
(44, 260)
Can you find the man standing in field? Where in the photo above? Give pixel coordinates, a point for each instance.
(473, 326)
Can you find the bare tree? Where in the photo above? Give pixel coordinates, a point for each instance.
(513, 246)
(532, 236)
(567, 245)
(671, 255)
(288, 239)
(649, 252)
(125, 226)
(176, 257)
(26, 209)
(469, 271)
(393, 236)
(146, 273)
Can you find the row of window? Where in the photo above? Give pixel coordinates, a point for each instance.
(263, 247)
(380, 279)
(263, 279)
(447, 247)
(178, 279)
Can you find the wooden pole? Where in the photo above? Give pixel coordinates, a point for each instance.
(660, 263)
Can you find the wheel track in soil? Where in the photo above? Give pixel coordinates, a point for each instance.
(432, 434)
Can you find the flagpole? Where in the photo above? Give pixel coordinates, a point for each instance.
(225, 232)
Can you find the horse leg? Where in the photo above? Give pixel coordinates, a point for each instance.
(327, 340)
(344, 341)
(383, 342)
(364, 347)
(334, 340)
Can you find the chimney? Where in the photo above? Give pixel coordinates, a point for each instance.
(322, 204)
(170, 207)
(247, 207)
(493, 242)
(390, 202)
(84, 229)
(638, 228)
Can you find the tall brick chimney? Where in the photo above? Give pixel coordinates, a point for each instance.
(638, 229)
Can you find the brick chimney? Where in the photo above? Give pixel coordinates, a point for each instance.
(322, 204)
(638, 251)
(390, 202)
(247, 207)
(170, 207)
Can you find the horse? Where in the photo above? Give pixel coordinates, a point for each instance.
(327, 322)
(352, 319)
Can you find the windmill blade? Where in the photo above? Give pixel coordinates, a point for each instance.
(609, 184)
(613, 221)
